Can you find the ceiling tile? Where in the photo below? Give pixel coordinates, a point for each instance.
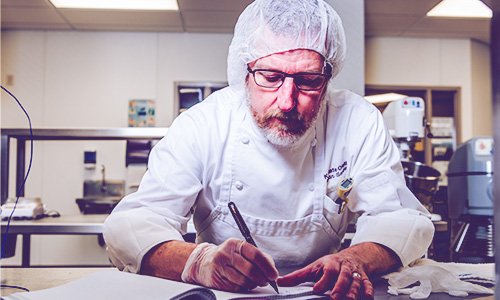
(480, 37)
(204, 29)
(382, 18)
(377, 24)
(406, 7)
(214, 5)
(488, 2)
(106, 18)
(27, 17)
(209, 19)
(452, 27)
(27, 3)
(125, 27)
(35, 26)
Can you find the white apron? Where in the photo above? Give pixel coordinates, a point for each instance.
(315, 231)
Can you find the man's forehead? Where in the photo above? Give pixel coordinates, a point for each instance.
(292, 55)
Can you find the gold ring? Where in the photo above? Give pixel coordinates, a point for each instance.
(356, 275)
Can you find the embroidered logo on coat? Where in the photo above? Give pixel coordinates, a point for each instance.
(336, 171)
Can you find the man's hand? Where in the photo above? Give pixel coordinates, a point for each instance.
(339, 272)
(335, 272)
(234, 265)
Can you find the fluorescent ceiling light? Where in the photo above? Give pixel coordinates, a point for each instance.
(118, 4)
(461, 8)
(381, 98)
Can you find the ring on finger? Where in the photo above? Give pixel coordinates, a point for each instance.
(240, 246)
(356, 275)
(237, 250)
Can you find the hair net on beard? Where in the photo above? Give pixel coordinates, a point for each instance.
(272, 26)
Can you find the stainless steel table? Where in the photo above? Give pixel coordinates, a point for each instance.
(63, 225)
(24, 135)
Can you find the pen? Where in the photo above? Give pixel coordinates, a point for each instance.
(246, 233)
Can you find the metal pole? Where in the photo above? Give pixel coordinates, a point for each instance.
(495, 80)
(4, 188)
(20, 166)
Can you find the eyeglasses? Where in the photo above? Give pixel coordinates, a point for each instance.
(273, 79)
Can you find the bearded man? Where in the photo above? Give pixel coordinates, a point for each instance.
(276, 142)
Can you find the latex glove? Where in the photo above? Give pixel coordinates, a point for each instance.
(432, 278)
(234, 265)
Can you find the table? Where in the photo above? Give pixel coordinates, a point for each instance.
(53, 134)
(42, 278)
(35, 279)
(91, 224)
(66, 224)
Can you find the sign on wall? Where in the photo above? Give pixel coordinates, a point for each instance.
(141, 113)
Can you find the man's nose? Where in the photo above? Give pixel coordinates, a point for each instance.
(287, 95)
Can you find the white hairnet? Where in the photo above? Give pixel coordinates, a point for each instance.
(272, 26)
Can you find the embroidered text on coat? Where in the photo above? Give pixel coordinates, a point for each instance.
(336, 171)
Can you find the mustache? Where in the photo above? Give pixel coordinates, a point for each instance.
(292, 115)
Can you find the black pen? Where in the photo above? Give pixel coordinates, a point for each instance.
(246, 233)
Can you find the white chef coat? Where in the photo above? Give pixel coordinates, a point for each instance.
(214, 153)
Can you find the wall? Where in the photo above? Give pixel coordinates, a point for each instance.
(437, 62)
(482, 116)
(85, 79)
(352, 77)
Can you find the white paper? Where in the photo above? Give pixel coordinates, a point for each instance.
(113, 284)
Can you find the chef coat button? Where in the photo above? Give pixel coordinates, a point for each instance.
(311, 186)
(245, 140)
(313, 142)
(238, 185)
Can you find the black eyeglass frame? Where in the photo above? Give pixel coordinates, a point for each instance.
(285, 75)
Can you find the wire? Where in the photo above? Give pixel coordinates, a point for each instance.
(27, 173)
(14, 287)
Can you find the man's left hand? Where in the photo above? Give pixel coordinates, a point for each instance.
(333, 272)
(346, 272)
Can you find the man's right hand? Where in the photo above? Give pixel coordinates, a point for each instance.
(234, 265)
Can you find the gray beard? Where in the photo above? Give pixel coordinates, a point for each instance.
(283, 135)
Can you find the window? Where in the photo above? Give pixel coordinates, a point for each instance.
(191, 93)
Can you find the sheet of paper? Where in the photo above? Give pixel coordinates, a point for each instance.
(113, 284)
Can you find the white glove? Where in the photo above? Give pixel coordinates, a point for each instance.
(234, 265)
(433, 277)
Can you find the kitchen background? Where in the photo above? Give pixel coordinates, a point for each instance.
(85, 79)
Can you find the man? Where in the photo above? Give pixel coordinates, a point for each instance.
(276, 142)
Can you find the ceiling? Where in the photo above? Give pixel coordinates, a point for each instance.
(404, 18)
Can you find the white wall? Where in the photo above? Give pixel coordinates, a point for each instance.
(482, 112)
(85, 79)
(352, 77)
(437, 62)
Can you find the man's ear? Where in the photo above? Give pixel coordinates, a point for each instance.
(328, 68)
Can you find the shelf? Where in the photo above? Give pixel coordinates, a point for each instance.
(68, 134)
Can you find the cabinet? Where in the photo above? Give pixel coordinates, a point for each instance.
(441, 111)
(188, 94)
